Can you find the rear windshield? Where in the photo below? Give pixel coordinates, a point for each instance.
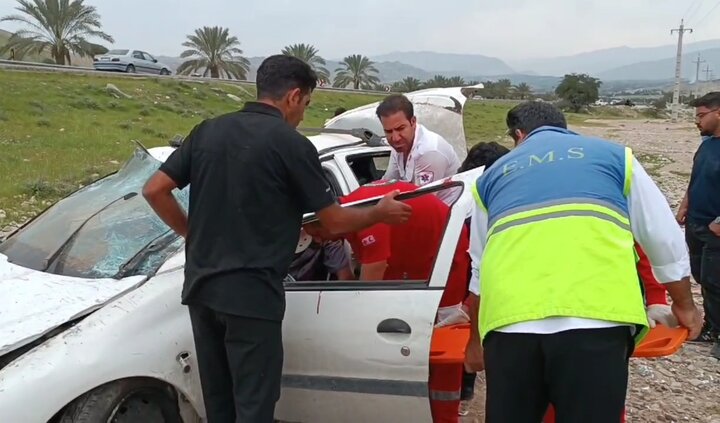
(118, 52)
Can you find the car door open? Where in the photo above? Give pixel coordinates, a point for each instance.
(362, 348)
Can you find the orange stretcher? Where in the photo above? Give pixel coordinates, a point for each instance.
(448, 343)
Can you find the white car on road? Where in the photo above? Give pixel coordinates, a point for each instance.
(129, 61)
(92, 329)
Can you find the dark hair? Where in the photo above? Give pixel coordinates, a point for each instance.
(395, 103)
(483, 154)
(280, 73)
(709, 100)
(530, 115)
(339, 111)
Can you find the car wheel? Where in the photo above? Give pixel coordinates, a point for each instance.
(164, 72)
(125, 401)
(130, 69)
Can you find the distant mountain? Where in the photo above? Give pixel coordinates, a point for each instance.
(600, 61)
(449, 64)
(665, 68)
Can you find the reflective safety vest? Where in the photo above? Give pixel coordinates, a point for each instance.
(559, 240)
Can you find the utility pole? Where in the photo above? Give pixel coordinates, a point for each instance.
(707, 72)
(697, 75)
(697, 71)
(678, 69)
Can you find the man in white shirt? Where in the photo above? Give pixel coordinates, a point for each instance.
(419, 155)
(551, 245)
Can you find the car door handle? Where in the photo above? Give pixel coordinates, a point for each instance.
(394, 326)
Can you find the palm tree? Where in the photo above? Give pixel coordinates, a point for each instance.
(61, 26)
(408, 84)
(502, 88)
(456, 81)
(356, 70)
(309, 54)
(214, 51)
(523, 91)
(437, 81)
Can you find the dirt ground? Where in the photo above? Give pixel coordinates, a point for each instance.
(683, 387)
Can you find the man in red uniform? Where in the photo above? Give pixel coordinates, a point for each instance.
(408, 252)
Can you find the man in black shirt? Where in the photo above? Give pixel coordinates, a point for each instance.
(700, 213)
(251, 176)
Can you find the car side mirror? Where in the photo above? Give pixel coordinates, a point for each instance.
(154, 60)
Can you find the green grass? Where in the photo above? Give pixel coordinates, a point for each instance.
(59, 131)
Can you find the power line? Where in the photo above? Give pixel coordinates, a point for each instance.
(678, 68)
(694, 9)
(708, 13)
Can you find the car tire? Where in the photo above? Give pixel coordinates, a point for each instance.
(164, 72)
(130, 69)
(113, 402)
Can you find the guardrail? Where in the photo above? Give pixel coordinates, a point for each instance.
(40, 67)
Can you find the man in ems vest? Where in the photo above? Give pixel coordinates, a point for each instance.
(553, 263)
(419, 155)
(408, 252)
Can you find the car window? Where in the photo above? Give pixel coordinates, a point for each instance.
(105, 229)
(324, 261)
(138, 55)
(332, 182)
(369, 167)
(148, 57)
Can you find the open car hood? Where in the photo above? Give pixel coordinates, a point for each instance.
(32, 303)
(438, 109)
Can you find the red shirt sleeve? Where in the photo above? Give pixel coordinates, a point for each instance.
(373, 244)
(654, 290)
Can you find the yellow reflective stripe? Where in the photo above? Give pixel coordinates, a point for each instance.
(566, 213)
(476, 195)
(628, 170)
(559, 209)
(564, 271)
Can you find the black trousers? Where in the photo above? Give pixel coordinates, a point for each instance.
(704, 248)
(240, 362)
(583, 373)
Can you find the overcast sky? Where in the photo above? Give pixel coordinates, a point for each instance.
(508, 29)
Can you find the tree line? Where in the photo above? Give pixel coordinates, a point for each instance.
(63, 27)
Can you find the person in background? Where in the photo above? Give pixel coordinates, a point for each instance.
(700, 213)
(553, 218)
(253, 176)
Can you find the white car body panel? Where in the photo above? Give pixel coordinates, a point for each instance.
(328, 375)
(140, 334)
(33, 303)
(139, 328)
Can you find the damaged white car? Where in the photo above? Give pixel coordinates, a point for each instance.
(92, 329)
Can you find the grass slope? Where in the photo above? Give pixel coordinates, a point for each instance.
(59, 131)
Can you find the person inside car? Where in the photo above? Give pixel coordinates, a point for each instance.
(321, 260)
